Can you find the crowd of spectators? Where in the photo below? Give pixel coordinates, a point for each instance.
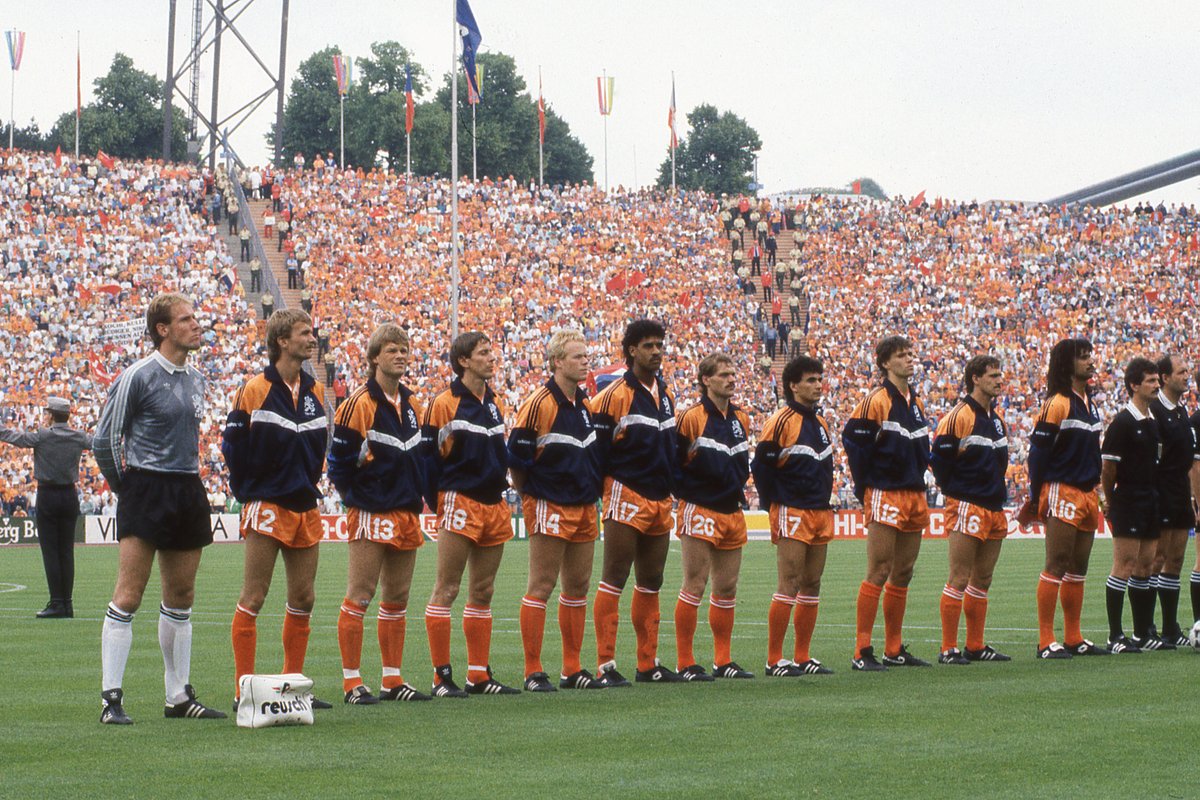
(83, 247)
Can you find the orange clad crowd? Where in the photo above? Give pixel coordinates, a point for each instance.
(84, 247)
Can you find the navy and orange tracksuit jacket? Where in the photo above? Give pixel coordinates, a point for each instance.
(970, 455)
(637, 435)
(712, 456)
(793, 463)
(554, 444)
(462, 445)
(274, 444)
(887, 441)
(1065, 444)
(374, 460)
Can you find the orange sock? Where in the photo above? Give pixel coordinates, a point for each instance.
(350, 636)
(951, 607)
(572, 620)
(687, 609)
(975, 610)
(245, 642)
(296, 629)
(477, 627)
(864, 617)
(533, 628)
(1047, 601)
(805, 623)
(605, 618)
(777, 623)
(393, 619)
(720, 619)
(895, 598)
(437, 628)
(646, 617)
(1071, 597)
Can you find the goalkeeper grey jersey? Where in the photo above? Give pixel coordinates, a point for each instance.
(151, 420)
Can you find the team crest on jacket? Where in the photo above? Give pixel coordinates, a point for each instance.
(737, 430)
(495, 411)
(198, 405)
(412, 418)
(999, 426)
(666, 401)
(310, 407)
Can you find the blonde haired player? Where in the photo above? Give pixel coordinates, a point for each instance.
(374, 464)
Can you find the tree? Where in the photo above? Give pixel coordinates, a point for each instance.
(506, 130)
(870, 188)
(28, 138)
(379, 105)
(126, 118)
(310, 117)
(717, 156)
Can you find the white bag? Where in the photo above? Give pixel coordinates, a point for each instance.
(268, 700)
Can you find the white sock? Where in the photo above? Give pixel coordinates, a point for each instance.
(175, 640)
(116, 637)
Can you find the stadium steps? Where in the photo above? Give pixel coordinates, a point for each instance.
(277, 263)
(234, 246)
(783, 252)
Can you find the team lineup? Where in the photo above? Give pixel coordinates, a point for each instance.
(653, 469)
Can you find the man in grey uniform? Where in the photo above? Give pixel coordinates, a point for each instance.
(56, 452)
(147, 445)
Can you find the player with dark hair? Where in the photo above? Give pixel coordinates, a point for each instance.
(274, 446)
(887, 446)
(147, 445)
(969, 460)
(793, 471)
(1064, 469)
(1178, 484)
(635, 421)
(1129, 474)
(555, 465)
(712, 451)
(375, 464)
(466, 469)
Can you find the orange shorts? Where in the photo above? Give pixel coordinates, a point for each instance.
(906, 510)
(1070, 505)
(722, 531)
(398, 528)
(809, 525)
(624, 505)
(486, 525)
(295, 529)
(975, 521)
(570, 523)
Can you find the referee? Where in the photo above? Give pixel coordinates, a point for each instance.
(56, 452)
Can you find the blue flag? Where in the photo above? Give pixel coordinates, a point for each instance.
(471, 37)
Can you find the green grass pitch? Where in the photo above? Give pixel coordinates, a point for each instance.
(1092, 727)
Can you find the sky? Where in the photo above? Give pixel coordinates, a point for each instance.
(1012, 100)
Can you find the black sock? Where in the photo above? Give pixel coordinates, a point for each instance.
(1168, 598)
(1141, 603)
(1114, 600)
(1196, 595)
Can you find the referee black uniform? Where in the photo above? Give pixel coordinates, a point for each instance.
(56, 453)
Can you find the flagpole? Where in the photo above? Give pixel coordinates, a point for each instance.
(12, 92)
(78, 95)
(454, 171)
(541, 136)
(474, 173)
(341, 130)
(605, 84)
(407, 154)
(674, 145)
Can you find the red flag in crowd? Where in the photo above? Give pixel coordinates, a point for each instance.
(918, 200)
(856, 187)
(105, 159)
(97, 369)
(58, 157)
